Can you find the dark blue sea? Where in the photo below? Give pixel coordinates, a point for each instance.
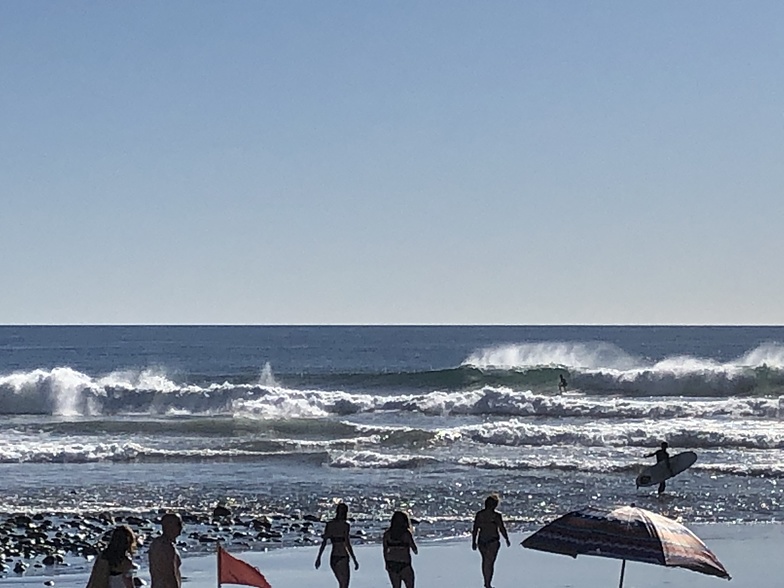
(429, 419)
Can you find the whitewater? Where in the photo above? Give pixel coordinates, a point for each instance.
(424, 418)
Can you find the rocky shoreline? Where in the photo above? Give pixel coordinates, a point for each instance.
(46, 543)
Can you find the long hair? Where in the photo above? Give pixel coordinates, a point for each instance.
(122, 542)
(341, 512)
(399, 525)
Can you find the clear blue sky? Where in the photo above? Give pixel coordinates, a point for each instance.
(391, 162)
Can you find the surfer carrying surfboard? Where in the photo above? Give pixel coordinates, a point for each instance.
(662, 455)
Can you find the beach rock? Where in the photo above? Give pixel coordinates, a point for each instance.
(220, 511)
(20, 567)
(49, 583)
(49, 560)
(261, 523)
(311, 518)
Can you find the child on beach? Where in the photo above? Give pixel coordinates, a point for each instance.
(486, 536)
(337, 531)
(398, 544)
(114, 567)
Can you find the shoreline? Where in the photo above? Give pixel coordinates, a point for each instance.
(750, 552)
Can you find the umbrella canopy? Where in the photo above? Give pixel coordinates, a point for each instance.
(627, 533)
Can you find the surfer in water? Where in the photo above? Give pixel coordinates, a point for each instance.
(338, 532)
(486, 536)
(562, 384)
(662, 455)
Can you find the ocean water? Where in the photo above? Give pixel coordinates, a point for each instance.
(429, 419)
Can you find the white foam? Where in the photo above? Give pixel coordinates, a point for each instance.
(552, 354)
(372, 459)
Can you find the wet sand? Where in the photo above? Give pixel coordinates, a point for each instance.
(752, 553)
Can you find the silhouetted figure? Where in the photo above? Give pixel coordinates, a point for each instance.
(486, 536)
(337, 531)
(164, 559)
(398, 545)
(114, 567)
(662, 455)
(562, 384)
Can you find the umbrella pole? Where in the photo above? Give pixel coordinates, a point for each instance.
(623, 569)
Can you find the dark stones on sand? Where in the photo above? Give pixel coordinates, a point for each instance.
(261, 523)
(49, 583)
(20, 567)
(221, 512)
(311, 518)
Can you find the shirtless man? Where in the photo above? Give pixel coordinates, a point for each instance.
(486, 536)
(164, 559)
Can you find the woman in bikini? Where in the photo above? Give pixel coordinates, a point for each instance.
(114, 567)
(398, 545)
(337, 531)
(486, 536)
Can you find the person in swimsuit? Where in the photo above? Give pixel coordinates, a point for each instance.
(562, 384)
(164, 559)
(337, 531)
(114, 567)
(398, 544)
(662, 455)
(486, 536)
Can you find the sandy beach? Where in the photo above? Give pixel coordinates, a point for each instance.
(751, 553)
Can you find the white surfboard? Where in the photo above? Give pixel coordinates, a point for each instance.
(663, 470)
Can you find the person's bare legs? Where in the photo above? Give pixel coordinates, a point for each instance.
(407, 576)
(489, 554)
(395, 579)
(341, 570)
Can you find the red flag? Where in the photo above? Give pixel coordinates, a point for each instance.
(235, 571)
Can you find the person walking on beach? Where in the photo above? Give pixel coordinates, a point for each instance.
(486, 536)
(164, 560)
(114, 567)
(398, 544)
(662, 455)
(337, 531)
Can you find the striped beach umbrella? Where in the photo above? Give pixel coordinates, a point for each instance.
(626, 533)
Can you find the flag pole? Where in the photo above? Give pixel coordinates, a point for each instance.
(217, 554)
(623, 569)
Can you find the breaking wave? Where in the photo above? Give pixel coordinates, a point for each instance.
(65, 392)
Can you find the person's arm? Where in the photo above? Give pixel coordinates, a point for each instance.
(413, 543)
(650, 454)
(475, 532)
(502, 529)
(99, 576)
(163, 565)
(321, 549)
(349, 548)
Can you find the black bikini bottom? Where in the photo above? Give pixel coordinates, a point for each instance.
(397, 567)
